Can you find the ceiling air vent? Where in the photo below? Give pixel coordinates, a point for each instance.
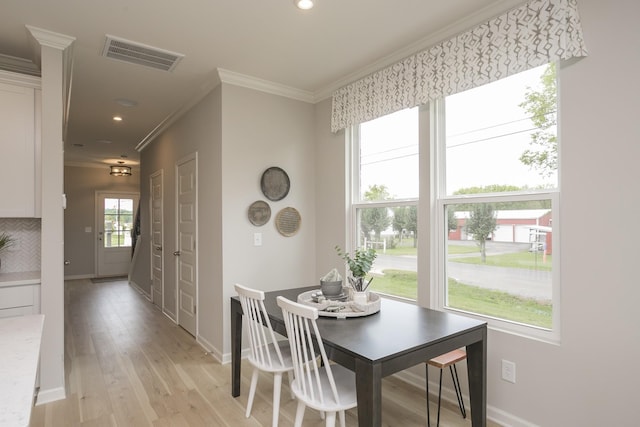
(138, 53)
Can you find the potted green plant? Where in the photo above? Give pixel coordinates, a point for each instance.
(6, 241)
(359, 266)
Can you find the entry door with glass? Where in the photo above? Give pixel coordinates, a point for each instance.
(114, 224)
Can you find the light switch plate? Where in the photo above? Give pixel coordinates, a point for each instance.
(257, 239)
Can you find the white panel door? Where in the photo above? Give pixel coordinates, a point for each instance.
(186, 253)
(157, 262)
(114, 223)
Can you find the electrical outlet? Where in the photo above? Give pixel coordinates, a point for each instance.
(508, 371)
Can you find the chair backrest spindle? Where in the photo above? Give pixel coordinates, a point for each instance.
(304, 336)
(261, 336)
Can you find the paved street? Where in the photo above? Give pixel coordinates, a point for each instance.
(516, 281)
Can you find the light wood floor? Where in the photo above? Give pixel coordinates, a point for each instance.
(128, 365)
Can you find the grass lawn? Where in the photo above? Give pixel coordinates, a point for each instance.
(470, 298)
(528, 260)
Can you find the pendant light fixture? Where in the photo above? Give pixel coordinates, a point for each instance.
(120, 169)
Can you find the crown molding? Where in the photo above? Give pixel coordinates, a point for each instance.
(50, 38)
(242, 80)
(16, 78)
(19, 65)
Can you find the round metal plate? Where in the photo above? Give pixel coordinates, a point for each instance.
(275, 183)
(259, 213)
(288, 221)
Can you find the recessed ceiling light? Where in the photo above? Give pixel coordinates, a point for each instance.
(117, 118)
(303, 4)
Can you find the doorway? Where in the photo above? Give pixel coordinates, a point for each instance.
(114, 223)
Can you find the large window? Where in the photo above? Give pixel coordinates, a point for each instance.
(385, 199)
(497, 197)
(494, 174)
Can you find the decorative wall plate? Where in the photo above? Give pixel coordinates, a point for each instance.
(288, 221)
(275, 183)
(259, 213)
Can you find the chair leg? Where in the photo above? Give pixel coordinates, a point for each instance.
(331, 419)
(290, 375)
(439, 398)
(252, 391)
(456, 386)
(299, 414)
(426, 375)
(343, 421)
(277, 386)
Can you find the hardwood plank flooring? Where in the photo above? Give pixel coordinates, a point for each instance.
(127, 364)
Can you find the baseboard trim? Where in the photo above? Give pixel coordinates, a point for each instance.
(494, 414)
(135, 286)
(80, 276)
(51, 395)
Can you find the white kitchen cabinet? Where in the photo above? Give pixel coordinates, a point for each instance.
(19, 145)
(19, 293)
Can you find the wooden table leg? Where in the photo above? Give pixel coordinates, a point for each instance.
(369, 392)
(236, 346)
(477, 372)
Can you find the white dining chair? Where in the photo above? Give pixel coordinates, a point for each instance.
(267, 353)
(327, 388)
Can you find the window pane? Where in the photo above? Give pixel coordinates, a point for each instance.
(389, 157)
(392, 232)
(499, 260)
(118, 222)
(503, 134)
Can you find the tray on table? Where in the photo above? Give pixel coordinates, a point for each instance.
(344, 309)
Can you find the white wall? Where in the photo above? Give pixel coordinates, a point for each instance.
(261, 130)
(590, 378)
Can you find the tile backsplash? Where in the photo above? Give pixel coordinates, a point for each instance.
(24, 255)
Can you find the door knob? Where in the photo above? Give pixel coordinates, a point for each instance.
(176, 253)
(158, 248)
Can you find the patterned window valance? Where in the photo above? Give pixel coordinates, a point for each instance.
(539, 32)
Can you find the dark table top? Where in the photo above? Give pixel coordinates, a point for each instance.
(399, 327)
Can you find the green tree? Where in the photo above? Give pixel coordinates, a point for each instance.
(452, 222)
(375, 219)
(542, 106)
(406, 218)
(482, 222)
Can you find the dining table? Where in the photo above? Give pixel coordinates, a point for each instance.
(400, 335)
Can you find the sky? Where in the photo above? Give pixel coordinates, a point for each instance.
(486, 131)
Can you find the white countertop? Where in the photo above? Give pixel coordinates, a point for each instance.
(19, 355)
(21, 278)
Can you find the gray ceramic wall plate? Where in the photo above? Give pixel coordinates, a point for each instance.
(275, 183)
(259, 213)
